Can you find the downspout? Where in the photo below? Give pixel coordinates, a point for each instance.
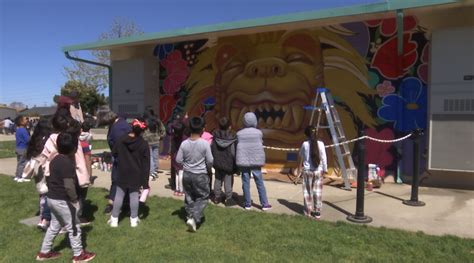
(109, 68)
(400, 50)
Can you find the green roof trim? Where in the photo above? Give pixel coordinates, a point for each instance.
(377, 7)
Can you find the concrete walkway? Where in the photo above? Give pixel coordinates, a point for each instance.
(447, 211)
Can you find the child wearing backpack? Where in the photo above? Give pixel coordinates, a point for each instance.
(313, 156)
(223, 151)
(195, 156)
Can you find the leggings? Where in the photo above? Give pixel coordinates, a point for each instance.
(118, 201)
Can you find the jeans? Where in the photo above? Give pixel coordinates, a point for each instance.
(257, 176)
(45, 212)
(114, 178)
(154, 160)
(226, 178)
(20, 162)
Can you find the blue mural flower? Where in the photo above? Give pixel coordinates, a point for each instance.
(408, 109)
(161, 51)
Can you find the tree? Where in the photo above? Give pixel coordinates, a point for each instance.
(97, 76)
(89, 97)
(18, 105)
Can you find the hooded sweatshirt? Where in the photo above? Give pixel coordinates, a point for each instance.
(133, 162)
(223, 150)
(250, 143)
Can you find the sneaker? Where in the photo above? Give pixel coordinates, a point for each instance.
(113, 221)
(23, 180)
(93, 179)
(134, 221)
(266, 207)
(63, 230)
(15, 179)
(108, 209)
(83, 221)
(230, 202)
(191, 225)
(84, 257)
(43, 225)
(248, 207)
(317, 215)
(47, 256)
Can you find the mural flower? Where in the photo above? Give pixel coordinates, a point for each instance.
(423, 68)
(162, 50)
(167, 103)
(378, 153)
(407, 110)
(385, 88)
(177, 72)
(388, 27)
(387, 61)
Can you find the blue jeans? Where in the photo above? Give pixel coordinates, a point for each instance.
(257, 176)
(154, 161)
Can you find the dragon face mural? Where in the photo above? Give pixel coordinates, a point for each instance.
(274, 74)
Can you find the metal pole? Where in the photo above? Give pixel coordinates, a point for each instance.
(359, 216)
(416, 171)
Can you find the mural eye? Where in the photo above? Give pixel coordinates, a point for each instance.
(234, 65)
(298, 57)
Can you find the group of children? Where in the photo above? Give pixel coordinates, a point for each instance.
(61, 164)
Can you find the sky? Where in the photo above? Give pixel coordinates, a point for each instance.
(32, 32)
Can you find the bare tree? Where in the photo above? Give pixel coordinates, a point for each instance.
(96, 76)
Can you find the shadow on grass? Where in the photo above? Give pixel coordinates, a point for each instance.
(89, 210)
(297, 208)
(181, 213)
(65, 243)
(388, 195)
(340, 209)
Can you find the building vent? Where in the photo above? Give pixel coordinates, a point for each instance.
(458, 105)
(128, 108)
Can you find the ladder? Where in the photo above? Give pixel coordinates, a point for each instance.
(324, 102)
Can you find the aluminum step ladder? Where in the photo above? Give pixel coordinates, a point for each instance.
(324, 102)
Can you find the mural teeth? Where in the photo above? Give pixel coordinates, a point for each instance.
(261, 123)
(252, 108)
(298, 115)
(269, 122)
(260, 107)
(277, 123)
(287, 119)
(284, 108)
(234, 116)
(276, 107)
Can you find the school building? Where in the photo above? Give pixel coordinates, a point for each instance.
(392, 67)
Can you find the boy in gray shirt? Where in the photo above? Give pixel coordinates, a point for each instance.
(195, 155)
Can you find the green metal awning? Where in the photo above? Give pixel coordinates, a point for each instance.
(377, 7)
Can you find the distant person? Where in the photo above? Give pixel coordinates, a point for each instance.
(177, 168)
(176, 137)
(313, 156)
(250, 158)
(85, 139)
(223, 150)
(8, 126)
(133, 165)
(63, 202)
(22, 137)
(118, 127)
(207, 136)
(153, 135)
(195, 155)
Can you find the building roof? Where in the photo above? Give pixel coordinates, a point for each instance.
(380, 6)
(39, 111)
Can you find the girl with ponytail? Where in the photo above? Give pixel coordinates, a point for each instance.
(313, 156)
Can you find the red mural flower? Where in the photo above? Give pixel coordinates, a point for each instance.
(177, 70)
(423, 68)
(167, 104)
(378, 153)
(388, 27)
(387, 61)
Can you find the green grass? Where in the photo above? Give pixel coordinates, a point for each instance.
(7, 148)
(228, 235)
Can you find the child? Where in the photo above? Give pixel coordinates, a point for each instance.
(177, 139)
(313, 155)
(223, 150)
(153, 136)
(85, 139)
(22, 137)
(208, 138)
(133, 171)
(195, 155)
(35, 147)
(63, 202)
(250, 158)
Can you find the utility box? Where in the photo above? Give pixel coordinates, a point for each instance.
(451, 101)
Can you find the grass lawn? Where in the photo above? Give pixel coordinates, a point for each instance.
(228, 235)
(7, 148)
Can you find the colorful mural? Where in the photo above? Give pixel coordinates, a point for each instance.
(274, 74)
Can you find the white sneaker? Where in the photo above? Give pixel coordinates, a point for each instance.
(191, 225)
(23, 180)
(134, 221)
(15, 179)
(113, 221)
